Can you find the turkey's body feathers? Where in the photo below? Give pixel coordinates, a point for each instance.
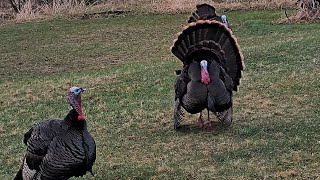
(59, 149)
(197, 96)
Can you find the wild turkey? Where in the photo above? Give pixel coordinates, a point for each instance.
(207, 12)
(59, 148)
(212, 68)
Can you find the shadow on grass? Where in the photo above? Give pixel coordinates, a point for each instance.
(216, 128)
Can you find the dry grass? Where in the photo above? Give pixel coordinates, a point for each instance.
(169, 6)
(5, 11)
(28, 11)
(70, 7)
(31, 10)
(181, 6)
(73, 7)
(308, 11)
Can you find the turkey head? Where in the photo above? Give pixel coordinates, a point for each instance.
(74, 99)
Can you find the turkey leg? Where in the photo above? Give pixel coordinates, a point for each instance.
(200, 120)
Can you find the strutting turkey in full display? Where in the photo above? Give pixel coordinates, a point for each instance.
(212, 67)
(59, 148)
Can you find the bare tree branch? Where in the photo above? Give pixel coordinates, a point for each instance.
(14, 6)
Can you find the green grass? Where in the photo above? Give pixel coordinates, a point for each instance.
(126, 65)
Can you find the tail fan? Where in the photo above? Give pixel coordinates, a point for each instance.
(203, 12)
(210, 39)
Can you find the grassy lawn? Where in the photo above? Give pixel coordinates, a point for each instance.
(126, 65)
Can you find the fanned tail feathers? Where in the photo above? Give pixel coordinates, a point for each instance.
(203, 12)
(212, 39)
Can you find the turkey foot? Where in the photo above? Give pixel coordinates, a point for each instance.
(209, 125)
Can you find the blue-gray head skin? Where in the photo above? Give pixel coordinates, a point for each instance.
(74, 99)
(225, 21)
(204, 64)
(205, 78)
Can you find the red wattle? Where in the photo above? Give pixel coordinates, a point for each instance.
(205, 78)
(80, 118)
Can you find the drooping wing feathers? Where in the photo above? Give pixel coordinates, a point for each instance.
(59, 150)
(225, 117)
(27, 173)
(38, 140)
(65, 157)
(203, 12)
(177, 113)
(180, 88)
(212, 39)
